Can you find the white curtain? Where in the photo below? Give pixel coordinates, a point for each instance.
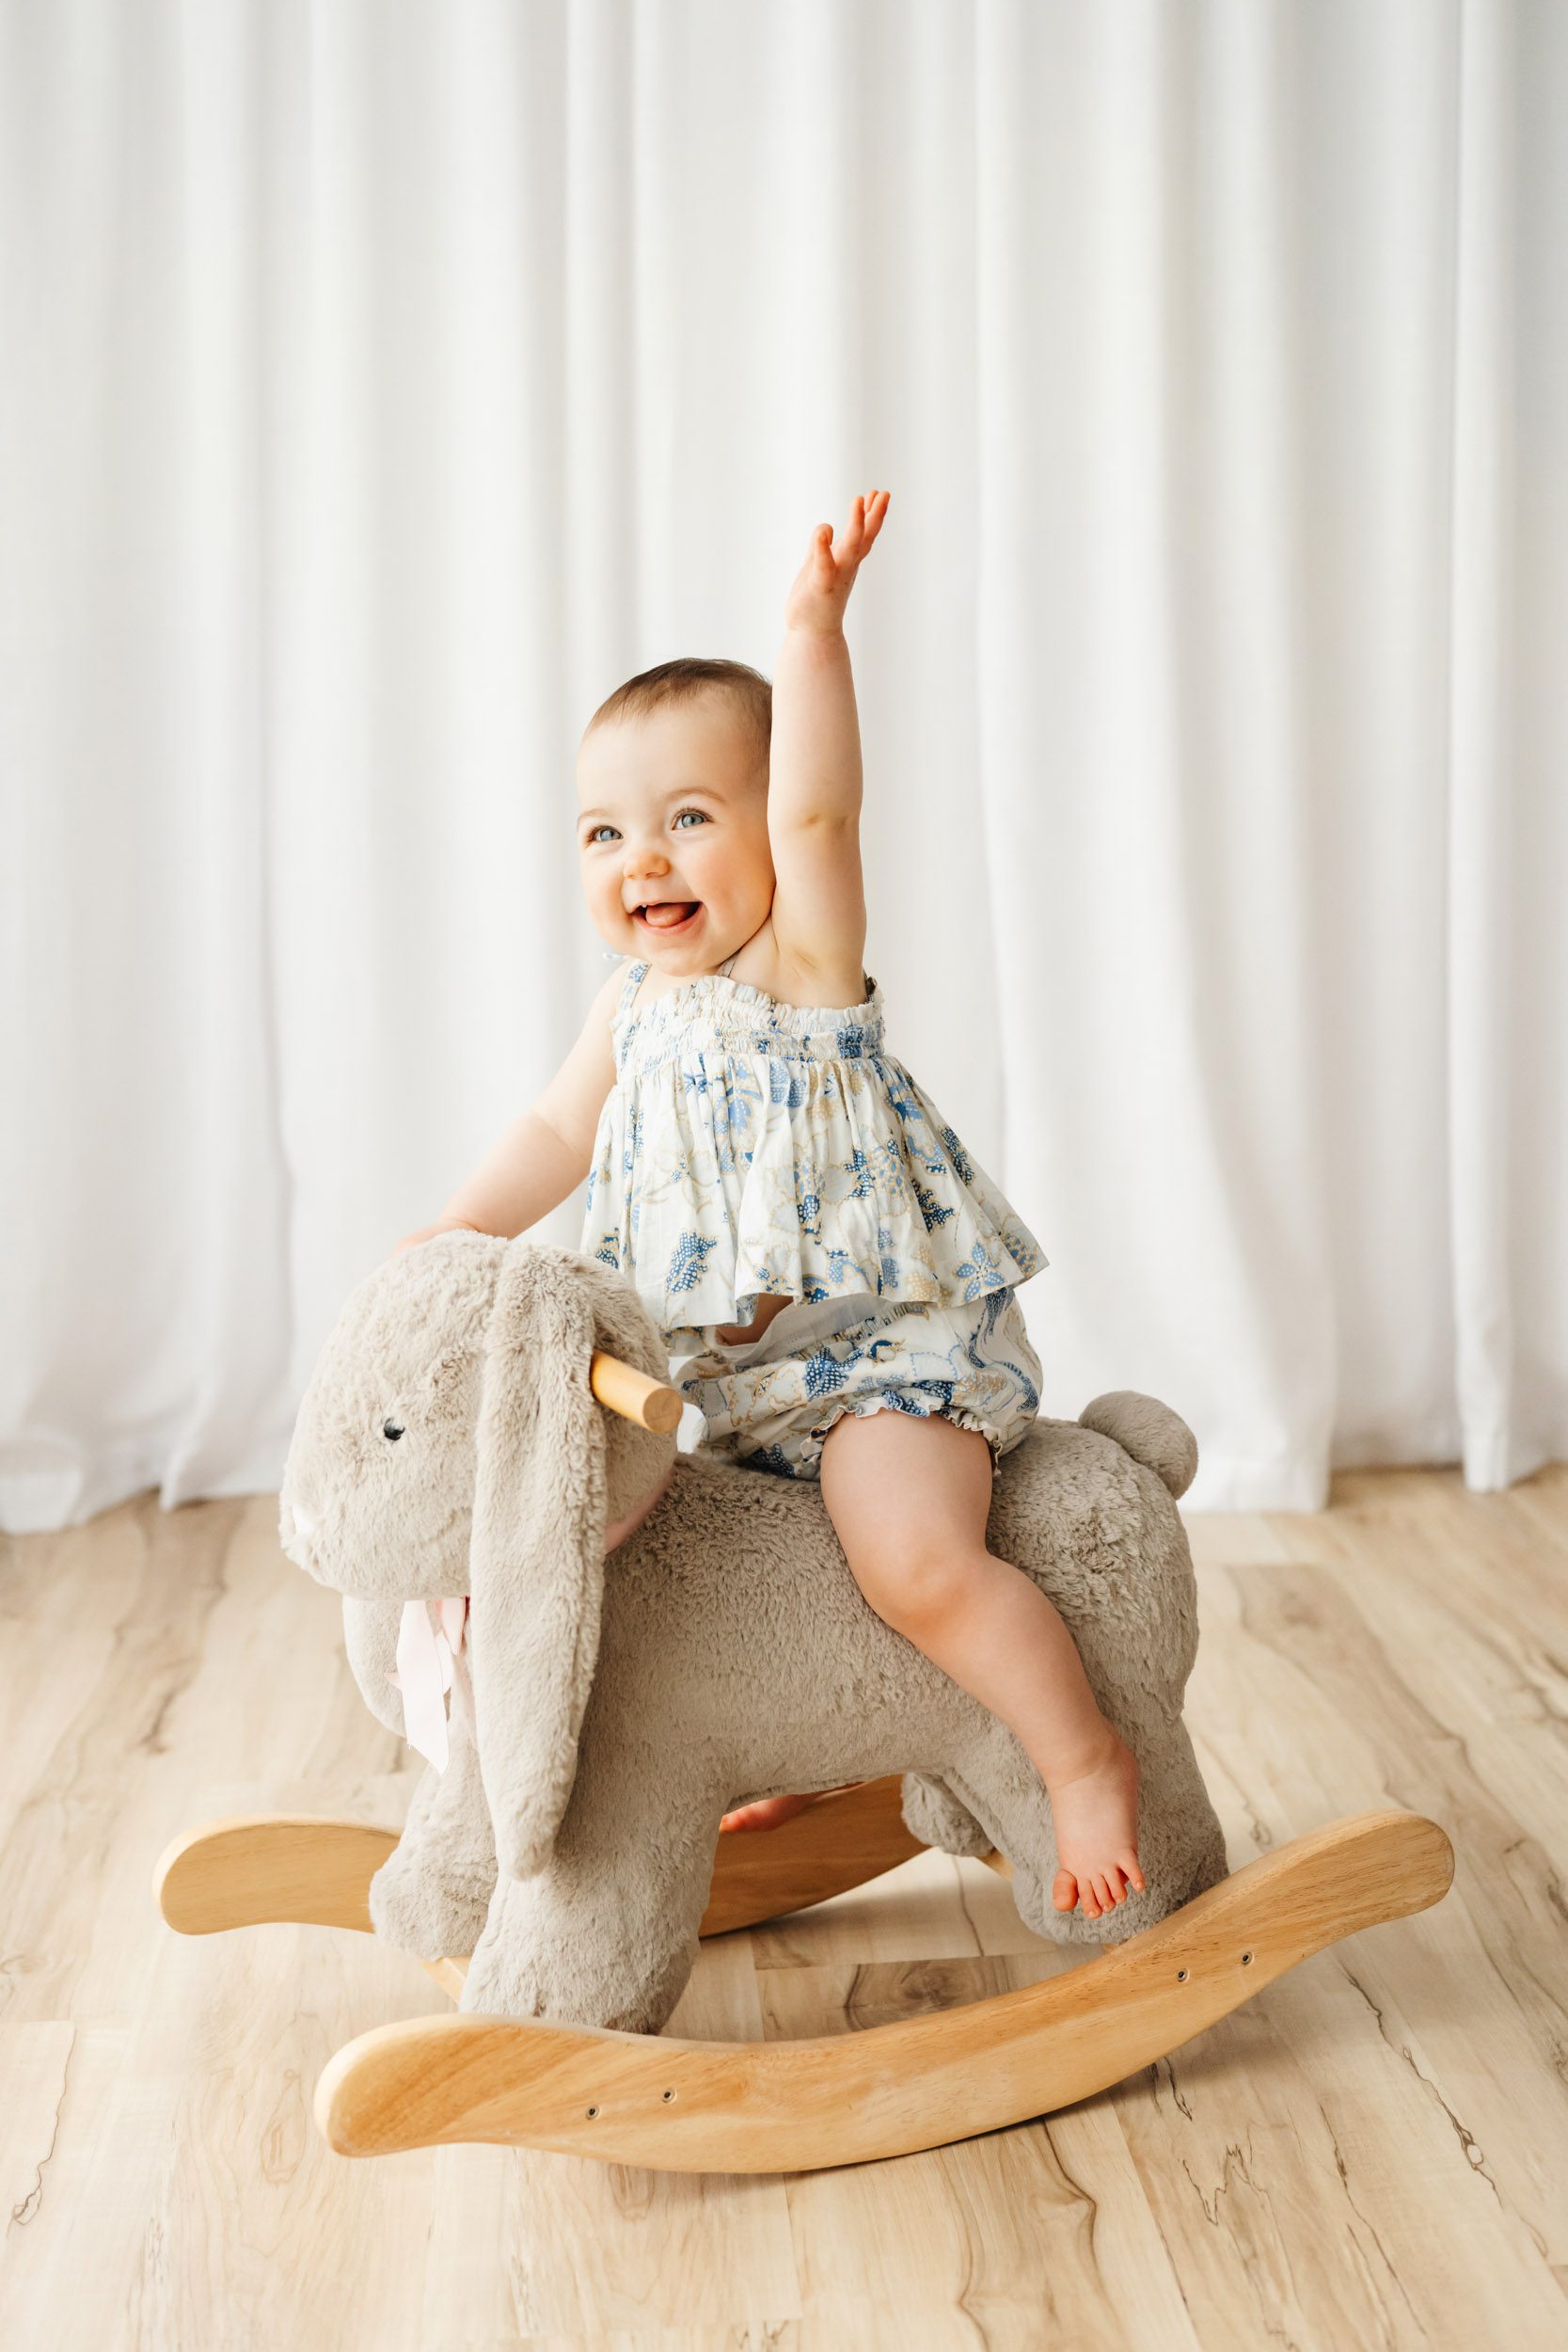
(381, 384)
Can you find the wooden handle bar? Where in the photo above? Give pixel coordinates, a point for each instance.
(632, 1393)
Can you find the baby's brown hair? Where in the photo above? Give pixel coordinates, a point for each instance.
(687, 676)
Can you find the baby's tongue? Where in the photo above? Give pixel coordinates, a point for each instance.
(674, 911)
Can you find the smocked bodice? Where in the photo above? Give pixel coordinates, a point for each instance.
(750, 1147)
(741, 1018)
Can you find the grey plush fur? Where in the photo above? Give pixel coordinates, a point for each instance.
(722, 1652)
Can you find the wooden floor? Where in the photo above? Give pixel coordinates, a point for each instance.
(1374, 2152)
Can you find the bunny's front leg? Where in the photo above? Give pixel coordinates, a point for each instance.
(431, 1894)
(606, 1932)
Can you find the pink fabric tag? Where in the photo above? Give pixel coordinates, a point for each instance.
(426, 1651)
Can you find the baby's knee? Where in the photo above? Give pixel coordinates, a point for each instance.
(915, 1586)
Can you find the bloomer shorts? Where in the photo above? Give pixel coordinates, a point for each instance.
(772, 1408)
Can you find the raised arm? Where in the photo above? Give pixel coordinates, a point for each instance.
(813, 789)
(546, 1151)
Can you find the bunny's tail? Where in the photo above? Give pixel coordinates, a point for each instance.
(1150, 1432)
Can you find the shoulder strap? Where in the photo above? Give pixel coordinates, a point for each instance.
(629, 986)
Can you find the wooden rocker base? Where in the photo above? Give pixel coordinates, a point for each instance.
(264, 1867)
(790, 2106)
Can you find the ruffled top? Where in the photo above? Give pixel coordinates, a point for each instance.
(750, 1146)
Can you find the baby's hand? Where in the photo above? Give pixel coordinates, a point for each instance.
(428, 1233)
(822, 587)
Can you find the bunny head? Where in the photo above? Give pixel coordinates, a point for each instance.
(448, 1442)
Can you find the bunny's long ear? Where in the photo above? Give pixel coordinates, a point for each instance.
(536, 1549)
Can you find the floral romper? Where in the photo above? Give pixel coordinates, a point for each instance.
(750, 1146)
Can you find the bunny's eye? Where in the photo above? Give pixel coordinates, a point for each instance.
(391, 1429)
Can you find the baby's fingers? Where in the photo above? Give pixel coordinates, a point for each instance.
(876, 509)
(819, 572)
(853, 541)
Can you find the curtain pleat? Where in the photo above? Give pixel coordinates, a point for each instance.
(385, 384)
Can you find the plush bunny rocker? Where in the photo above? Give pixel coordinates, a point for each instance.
(450, 1444)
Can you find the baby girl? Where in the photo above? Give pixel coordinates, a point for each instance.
(834, 1275)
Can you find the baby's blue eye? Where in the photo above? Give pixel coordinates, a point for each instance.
(592, 837)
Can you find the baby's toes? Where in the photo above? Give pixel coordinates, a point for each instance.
(1064, 1893)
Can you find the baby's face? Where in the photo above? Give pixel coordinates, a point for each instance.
(672, 833)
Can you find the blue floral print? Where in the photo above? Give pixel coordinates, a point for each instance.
(971, 1364)
(751, 1147)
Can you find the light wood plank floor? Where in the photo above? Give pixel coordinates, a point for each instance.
(1373, 2153)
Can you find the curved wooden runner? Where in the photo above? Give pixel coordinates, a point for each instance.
(702, 2106)
(254, 1867)
(696, 2107)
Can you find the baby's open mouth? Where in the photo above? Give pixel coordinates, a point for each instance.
(668, 915)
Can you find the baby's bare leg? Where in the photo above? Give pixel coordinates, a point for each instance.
(910, 1499)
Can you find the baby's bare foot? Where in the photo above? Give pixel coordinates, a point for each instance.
(767, 1813)
(1096, 1812)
